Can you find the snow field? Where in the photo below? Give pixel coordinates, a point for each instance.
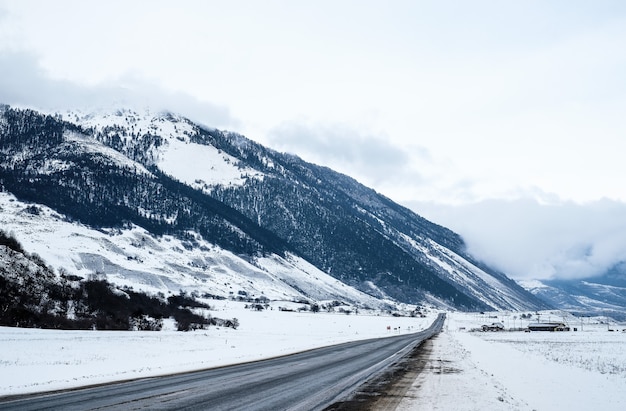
(580, 370)
(34, 360)
(465, 370)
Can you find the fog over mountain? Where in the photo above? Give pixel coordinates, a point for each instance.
(531, 240)
(26, 83)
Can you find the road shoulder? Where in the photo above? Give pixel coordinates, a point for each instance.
(451, 380)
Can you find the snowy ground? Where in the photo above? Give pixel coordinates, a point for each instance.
(34, 360)
(583, 370)
(465, 370)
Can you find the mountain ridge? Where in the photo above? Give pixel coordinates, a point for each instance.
(603, 295)
(124, 169)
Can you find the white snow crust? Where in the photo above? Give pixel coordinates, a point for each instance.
(548, 371)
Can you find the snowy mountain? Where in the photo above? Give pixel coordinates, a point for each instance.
(596, 296)
(163, 204)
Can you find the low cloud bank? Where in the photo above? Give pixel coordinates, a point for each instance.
(24, 83)
(369, 158)
(530, 240)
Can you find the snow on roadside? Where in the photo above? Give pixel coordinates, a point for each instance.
(521, 371)
(451, 380)
(34, 360)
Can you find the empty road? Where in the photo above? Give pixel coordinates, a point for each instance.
(310, 380)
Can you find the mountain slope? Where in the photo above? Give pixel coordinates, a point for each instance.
(601, 295)
(171, 177)
(133, 256)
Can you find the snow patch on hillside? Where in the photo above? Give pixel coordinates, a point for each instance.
(136, 258)
(89, 145)
(200, 166)
(459, 271)
(531, 284)
(310, 281)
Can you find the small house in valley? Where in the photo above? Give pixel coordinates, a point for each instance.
(548, 327)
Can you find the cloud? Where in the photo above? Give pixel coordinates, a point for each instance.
(528, 239)
(366, 157)
(24, 83)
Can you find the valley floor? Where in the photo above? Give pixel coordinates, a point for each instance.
(464, 371)
(34, 360)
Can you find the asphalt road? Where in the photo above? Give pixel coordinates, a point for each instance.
(310, 380)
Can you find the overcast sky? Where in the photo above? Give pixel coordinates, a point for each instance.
(503, 120)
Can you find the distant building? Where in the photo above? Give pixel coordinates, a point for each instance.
(548, 327)
(493, 327)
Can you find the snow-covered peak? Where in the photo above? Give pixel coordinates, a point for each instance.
(134, 123)
(177, 152)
